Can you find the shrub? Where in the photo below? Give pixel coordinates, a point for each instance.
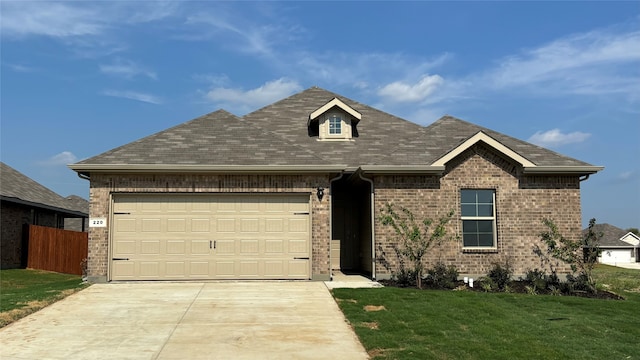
(415, 238)
(443, 276)
(500, 274)
(581, 255)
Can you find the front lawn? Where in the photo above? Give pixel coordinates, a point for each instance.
(24, 291)
(433, 324)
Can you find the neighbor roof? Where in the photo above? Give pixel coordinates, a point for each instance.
(276, 137)
(18, 188)
(611, 236)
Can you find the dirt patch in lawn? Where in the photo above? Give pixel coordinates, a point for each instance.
(374, 308)
(30, 307)
(370, 325)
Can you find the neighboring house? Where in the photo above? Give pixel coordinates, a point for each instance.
(267, 195)
(617, 245)
(80, 204)
(24, 201)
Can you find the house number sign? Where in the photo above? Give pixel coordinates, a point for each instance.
(98, 222)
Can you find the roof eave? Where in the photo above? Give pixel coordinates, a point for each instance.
(402, 169)
(562, 170)
(190, 168)
(15, 200)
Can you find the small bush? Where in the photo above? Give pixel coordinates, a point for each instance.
(500, 274)
(443, 276)
(405, 277)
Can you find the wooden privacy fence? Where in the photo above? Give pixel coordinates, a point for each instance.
(58, 250)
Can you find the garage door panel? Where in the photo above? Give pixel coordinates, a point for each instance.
(207, 236)
(249, 247)
(176, 247)
(200, 247)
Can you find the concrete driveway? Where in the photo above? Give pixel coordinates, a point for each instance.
(213, 320)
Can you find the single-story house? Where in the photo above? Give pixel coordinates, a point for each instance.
(618, 246)
(24, 201)
(276, 193)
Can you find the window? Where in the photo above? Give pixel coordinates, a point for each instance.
(335, 125)
(478, 218)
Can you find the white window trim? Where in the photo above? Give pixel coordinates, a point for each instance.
(341, 125)
(493, 223)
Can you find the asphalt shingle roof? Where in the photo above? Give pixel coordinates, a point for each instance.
(611, 235)
(277, 134)
(15, 186)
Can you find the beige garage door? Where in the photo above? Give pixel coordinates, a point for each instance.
(235, 236)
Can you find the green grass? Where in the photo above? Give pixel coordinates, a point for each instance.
(24, 291)
(427, 324)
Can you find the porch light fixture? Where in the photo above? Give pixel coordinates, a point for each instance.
(320, 193)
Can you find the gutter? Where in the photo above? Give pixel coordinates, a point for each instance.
(73, 213)
(85, 169)
(562, 170)
(403, 169)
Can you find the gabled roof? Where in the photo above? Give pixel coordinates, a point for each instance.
(335, 102)
(215, 141)
(611, 236)
(276, 138)
(20, 189)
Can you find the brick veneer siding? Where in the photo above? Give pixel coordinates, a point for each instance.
(102, 185)
(14, 216)
(521, 204)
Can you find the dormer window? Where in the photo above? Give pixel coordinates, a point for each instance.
(335, 125)
(333, 121)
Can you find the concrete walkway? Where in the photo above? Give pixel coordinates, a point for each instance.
(213, 320)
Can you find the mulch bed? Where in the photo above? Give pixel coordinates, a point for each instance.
(515, 286)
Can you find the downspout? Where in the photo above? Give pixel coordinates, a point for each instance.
(331, 222)
(373, 232)
(584, 178)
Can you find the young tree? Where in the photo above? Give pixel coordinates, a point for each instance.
(415, 237)
(581, 255)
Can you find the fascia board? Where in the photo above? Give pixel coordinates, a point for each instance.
(182, 168)
(15, 200)
(402, 169)
(335, 102)
(567, 170)
(481, 136)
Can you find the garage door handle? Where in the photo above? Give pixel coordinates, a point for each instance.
(300, 258)
(212, 244)
(116, 259)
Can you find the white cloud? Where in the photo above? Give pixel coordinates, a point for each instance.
(555, 137)
(63, 158)
(236, 31)
(21, 68)
(254, 98)
(399, 91)
(24, 18)
(587, 63)
(127, 69)
(133, 95)
(626, 175)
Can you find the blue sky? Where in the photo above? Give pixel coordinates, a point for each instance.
(79, 78)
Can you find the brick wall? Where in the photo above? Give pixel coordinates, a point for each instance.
(13, 217)
(521, 204)
(103, 185)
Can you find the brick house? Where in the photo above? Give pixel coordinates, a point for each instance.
(294, 190)
(23, 201)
